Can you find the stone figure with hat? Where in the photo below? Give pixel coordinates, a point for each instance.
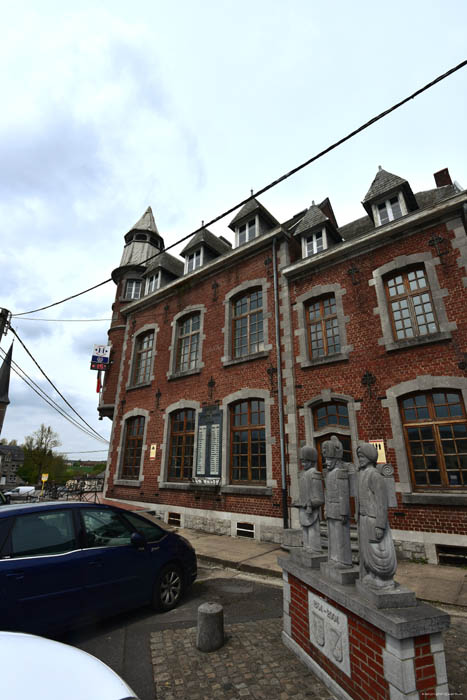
(311, 498)
(375, 494)
(339, 488)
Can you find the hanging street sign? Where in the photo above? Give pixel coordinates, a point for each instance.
(100, 357)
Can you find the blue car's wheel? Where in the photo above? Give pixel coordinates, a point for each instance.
(168, 588)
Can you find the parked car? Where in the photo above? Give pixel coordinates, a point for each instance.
(63, 563)
(34, 667)
(23, 493)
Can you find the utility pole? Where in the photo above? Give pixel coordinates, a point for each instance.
(5, 318)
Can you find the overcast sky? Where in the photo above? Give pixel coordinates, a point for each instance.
(113, 106)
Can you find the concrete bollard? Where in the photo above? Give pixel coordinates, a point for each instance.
(210, 630)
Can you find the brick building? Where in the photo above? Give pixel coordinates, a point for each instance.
(223, 365)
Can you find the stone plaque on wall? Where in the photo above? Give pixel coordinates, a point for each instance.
(329, 631)
(208, 459)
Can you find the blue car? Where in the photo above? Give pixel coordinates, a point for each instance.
(67, 563)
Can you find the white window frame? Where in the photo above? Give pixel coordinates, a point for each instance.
(194, 260)
(387, 202)
(248, 226)
(153, 282)
(132, 289)
(310, 243)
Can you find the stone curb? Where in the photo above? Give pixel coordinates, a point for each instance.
(239, 566)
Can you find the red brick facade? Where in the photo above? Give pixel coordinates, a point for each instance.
(369, 375)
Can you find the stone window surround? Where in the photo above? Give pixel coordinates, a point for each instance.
(228, 358)
(300, 307)
(271, 483)
(327, 396)
(144, 329)
(401, 263)
(120, 449)
(397, 443)
(460, 242)
(187, 311)
(164, 482)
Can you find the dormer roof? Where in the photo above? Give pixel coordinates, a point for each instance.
(386, 183)
(316, 217)
(167, 262)
(204, 237)
(252, 208)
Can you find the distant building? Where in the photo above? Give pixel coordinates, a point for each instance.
(11, 459)
(224, 365)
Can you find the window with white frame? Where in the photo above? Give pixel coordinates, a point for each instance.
(389, 210)
(133, 289)
(153, 282)
(246, 232)
(247, 324)
(142, 364)
(314, 243)
(188, 332)
(194, 260)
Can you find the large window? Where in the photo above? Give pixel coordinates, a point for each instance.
(410, 304)
(133, 289)
(435, 428)
(133, 446)
(247, 324)
(247, 442)
(143, 358)
(182, 438)
(332, 416)
(323, 327)
(188, 331)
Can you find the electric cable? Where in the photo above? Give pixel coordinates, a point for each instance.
(272, 184)
(56, 389)
(65, 320)
(48, 399)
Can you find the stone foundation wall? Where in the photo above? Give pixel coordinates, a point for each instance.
(411, 551)
(215, 526)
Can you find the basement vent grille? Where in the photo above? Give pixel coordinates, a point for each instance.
(245, 530)
(451, 555)
(174, 519)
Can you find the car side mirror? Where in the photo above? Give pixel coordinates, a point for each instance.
(137, 540)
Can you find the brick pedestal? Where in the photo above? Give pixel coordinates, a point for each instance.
(358, 650)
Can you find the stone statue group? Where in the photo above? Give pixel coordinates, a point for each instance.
(372, 486)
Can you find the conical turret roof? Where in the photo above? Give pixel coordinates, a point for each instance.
(146, 222)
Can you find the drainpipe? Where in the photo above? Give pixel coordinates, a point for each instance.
(280, 396)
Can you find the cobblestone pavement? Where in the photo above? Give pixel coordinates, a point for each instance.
(253, 663)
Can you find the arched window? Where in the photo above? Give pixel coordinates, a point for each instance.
(247, 442)
(182, 439)
(132, 447)
(435, 430)
(410, 304)
(188, 330)
(247, 324)
(143, 358)
(323, 327)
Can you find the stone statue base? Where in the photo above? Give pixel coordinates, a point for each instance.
(292, 538)
(345, 575)
(310, 560)
(397, 597)
(360, 650)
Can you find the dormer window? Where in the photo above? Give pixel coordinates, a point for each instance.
(133, 289)
(314, 243)
(153, 282)
(246, 232)
(194, 260)
(389, 210)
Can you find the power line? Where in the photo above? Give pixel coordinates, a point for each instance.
(56, 389)
(48, 399)
(280, 179)
(82, 452)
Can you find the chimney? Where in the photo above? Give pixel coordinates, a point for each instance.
(442, 178)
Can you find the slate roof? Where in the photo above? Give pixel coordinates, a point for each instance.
(167, 262)
(146, 222)
(250, 208)
(313, 217)
(16, 452)
(5, 377)
(383, 182)
(205, 237)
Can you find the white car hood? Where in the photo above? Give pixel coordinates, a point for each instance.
(35, 668)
